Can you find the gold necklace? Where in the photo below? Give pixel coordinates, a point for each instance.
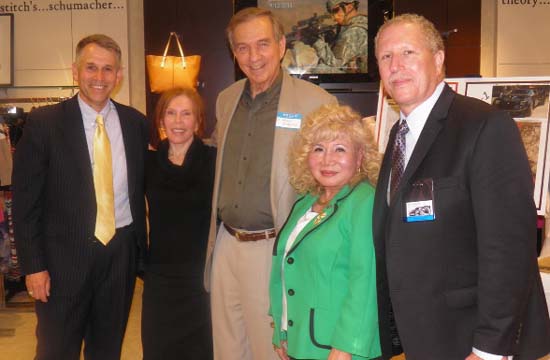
(319, 217)
(322, 214)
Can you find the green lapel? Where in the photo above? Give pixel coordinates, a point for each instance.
(320, 219)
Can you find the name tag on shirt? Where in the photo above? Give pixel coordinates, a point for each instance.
(419, 204)
(288, 120)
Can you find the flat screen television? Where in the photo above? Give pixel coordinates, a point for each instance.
(307, 21)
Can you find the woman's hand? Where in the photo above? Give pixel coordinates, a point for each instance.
(336, 354)
(281, 351)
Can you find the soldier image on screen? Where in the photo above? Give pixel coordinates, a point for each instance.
(310, 29)
(348, 52)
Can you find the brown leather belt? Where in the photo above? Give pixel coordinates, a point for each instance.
(250, 235)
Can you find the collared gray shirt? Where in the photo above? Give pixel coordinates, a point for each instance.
(123, 214)
(244, 200)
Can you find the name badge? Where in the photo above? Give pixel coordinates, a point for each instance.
(420, 211)
(419, 202)
(288, 120)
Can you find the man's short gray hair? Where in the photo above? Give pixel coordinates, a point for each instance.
(250, 13)
(431, 34)
(101, 40)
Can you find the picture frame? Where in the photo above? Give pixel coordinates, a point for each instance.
(527, 101)
(6, 50)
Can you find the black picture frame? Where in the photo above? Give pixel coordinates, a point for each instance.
(378, 11)
(6, 50)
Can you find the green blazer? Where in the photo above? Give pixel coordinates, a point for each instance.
(330, 279)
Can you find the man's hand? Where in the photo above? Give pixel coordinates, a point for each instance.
(38, 285)
(336, 354)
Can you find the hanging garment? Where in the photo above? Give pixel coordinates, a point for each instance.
(6, 163)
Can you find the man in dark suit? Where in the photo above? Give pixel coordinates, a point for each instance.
(454, 217)
(79, 214)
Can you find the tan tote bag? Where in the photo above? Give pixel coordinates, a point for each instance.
(167, 72)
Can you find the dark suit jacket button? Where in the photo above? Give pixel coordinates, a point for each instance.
(290, 260)
(290, 292)
(290, 322)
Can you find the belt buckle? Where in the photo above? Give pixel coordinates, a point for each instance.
(238, 235)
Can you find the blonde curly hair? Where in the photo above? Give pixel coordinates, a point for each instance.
(328, 123)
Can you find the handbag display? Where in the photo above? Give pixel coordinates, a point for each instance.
(167, 72)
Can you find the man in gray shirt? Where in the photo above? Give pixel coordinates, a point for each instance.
(257, 118)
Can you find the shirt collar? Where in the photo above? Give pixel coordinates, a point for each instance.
(418, 117)
(89, 114)
(270, 93)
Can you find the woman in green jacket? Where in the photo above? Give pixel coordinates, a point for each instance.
(323, 277)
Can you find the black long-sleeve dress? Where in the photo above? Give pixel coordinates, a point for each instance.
(176, 313)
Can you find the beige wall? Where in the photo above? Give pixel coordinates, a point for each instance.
(136, 55)
(44, 40)
(488, 38)
(514, 38)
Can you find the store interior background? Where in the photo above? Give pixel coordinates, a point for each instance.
(494, 38)
(218, 68)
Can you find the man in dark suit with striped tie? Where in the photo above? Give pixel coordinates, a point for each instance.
(79, 210)
(454, 217)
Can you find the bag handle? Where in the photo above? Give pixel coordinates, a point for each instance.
(183, 63)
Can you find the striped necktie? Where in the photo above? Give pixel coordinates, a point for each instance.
(103, 184)
(398, 157)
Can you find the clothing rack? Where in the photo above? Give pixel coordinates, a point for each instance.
(14, 117)
(33, 100)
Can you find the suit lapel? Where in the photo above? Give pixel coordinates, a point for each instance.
(281, 143)
(429, 133)
(381, 197)
(129, 138)
(75, 137)
(322, 218)
(298, 210)
(384, 176)
(317, 222)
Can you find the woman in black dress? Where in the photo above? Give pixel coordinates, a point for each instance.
(179, 180)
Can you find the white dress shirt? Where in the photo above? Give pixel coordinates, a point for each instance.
(417, 119)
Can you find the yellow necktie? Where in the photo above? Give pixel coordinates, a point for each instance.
(103, 184)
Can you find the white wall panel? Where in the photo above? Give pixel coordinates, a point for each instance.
(46, 33)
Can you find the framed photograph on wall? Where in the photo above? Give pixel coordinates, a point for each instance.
(328, 41)
(6, 49)
(527, 100)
